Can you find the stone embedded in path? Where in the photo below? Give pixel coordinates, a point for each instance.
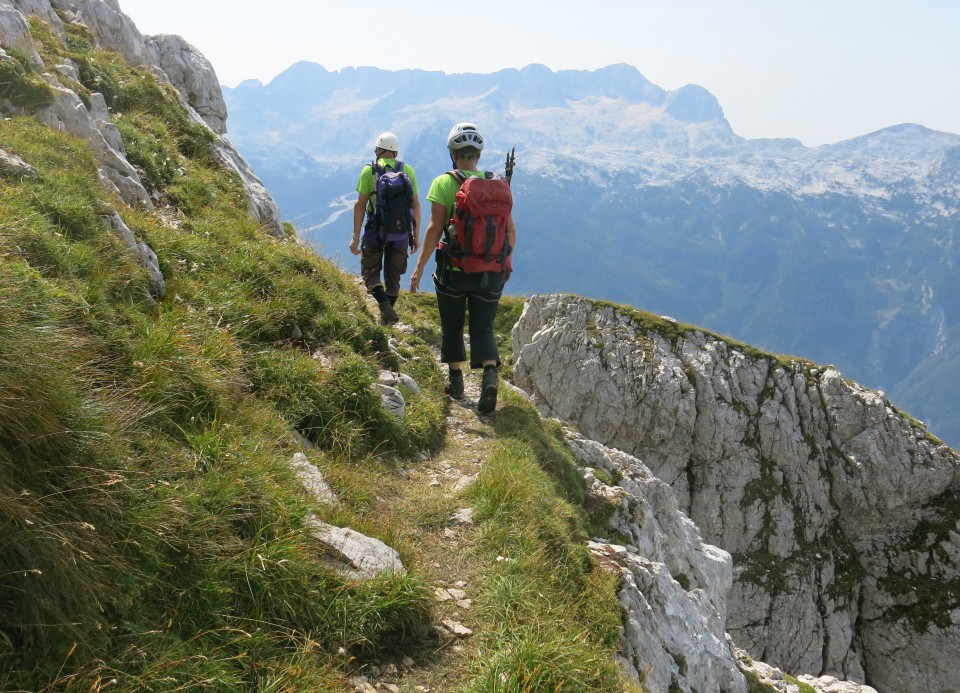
(464, 482)
(463, 517)
(355, 554)
(361, 684)
(456, 628)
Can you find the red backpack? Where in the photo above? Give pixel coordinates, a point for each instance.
(476, 237)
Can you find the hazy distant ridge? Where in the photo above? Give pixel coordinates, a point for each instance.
(841, 253)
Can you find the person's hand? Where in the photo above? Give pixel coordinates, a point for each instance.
(355, 246)
(415, 281)
(414, 244)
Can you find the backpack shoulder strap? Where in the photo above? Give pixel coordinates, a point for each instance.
(458, 174)
(398, 166)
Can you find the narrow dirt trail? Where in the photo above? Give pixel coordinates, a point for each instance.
(428, 501)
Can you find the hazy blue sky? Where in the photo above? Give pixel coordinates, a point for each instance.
(818, 70)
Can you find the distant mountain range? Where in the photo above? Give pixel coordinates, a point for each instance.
(842, 254)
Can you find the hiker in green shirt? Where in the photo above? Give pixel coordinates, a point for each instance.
(461, 289)
(392, 225)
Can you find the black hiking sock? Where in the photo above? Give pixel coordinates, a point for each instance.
(488, 390)
(455, 387)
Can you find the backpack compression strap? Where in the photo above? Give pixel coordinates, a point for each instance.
(375, 172)
(459, 176)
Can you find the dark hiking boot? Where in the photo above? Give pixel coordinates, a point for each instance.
(488, 390)
(455, 387)
(388, 315)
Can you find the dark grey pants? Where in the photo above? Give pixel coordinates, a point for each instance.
(460, 295)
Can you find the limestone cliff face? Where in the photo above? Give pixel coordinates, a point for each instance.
(673, 586)
(840, 513)
(170, 58)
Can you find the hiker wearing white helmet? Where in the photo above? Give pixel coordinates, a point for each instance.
(473, 260)
(387, 197)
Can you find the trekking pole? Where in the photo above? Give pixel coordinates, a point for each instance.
(508, 167)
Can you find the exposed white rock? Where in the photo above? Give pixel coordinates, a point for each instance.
(396, 379)
(830, 684)
(813, 483)
(15, 32)
(392, 399)
(464, 516)
(170, 58)
(12, 166)
(353, 553)
(388, 384)
(142, 252)
(312, 479)
(111, 27)
(673, 586)
(648, 515)
(260, 202)
(192, 75)
(69, 114)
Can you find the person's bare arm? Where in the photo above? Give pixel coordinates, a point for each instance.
(359, 212)
(431, 239)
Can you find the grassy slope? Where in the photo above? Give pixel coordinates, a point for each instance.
(153, 534)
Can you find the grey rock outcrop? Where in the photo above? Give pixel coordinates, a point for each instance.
(391, 397)
(673, 586)
(69, 114)
(12, 166)
(192, 75)
(260, 202)
(15, 33)
(142, 252)
(312, 479)
(171, 59)
(346, 550)
(841, 514)
(354, 554)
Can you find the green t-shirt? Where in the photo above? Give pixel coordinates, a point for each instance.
(365, 185)
(444, 190)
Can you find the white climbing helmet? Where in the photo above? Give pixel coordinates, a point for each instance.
(388, 142)
(464, 135)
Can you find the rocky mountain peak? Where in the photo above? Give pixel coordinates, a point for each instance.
(693, 104)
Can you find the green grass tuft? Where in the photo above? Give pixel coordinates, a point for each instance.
(553, 613)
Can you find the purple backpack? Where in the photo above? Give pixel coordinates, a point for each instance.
(391, 219)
